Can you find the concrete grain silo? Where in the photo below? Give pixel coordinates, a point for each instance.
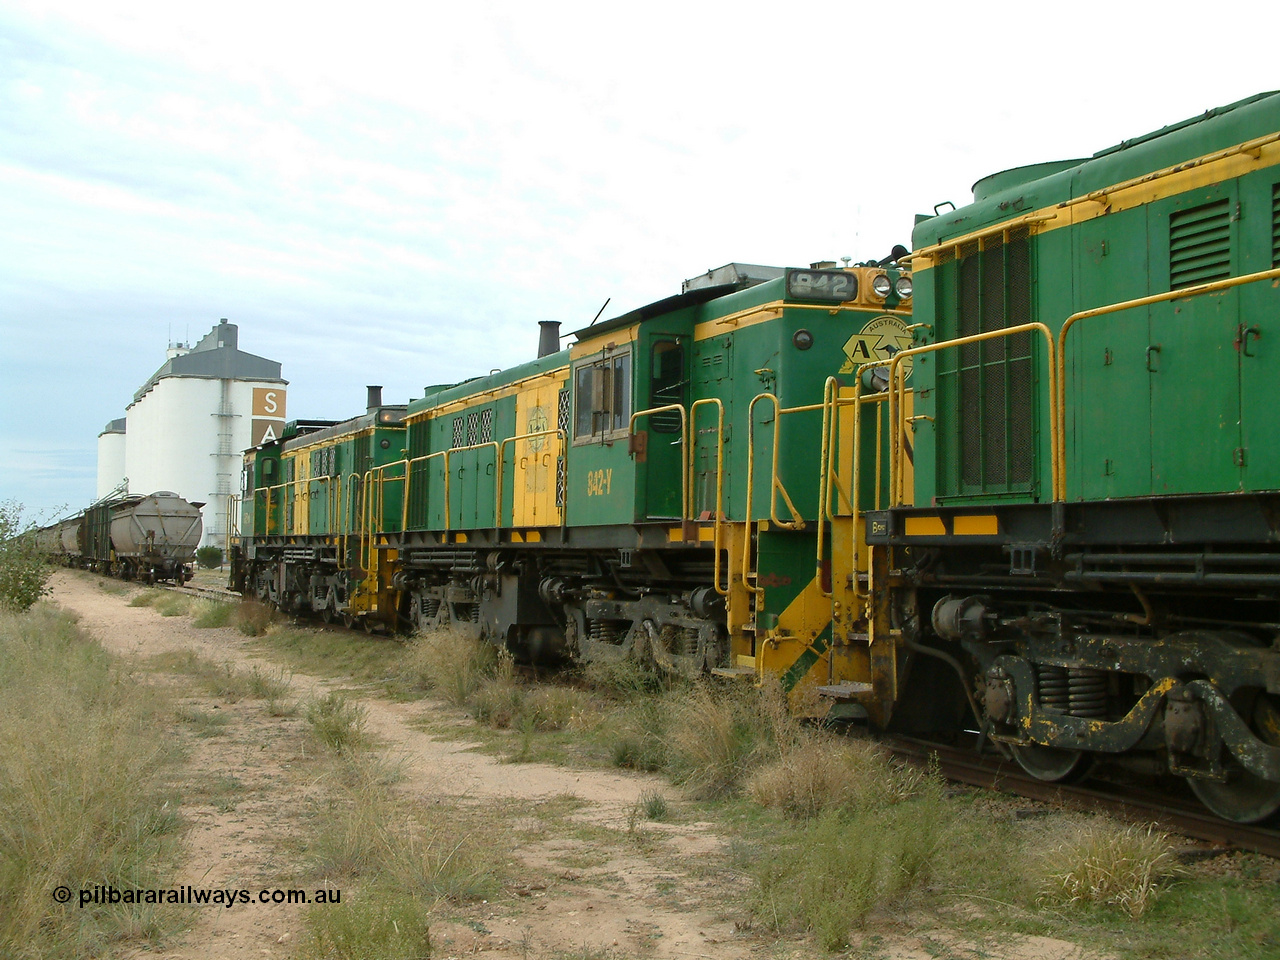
(189, 423)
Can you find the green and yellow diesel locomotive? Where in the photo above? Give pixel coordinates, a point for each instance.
(678, 485)
(1092, 521)
(1022, 480)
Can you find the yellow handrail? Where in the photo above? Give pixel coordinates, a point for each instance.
(897, 401)
(472, 446)
(684, 447)
(776, 486)
(719, 508)
(831, 403)
(797, 523)
(408, 478)
(502, 448)
(1201, 288)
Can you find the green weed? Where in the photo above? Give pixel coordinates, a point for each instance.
(336, 722)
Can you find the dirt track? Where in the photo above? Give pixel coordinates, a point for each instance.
(595, 892)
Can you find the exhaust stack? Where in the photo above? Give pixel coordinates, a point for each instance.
(548, 337)
(375, 399)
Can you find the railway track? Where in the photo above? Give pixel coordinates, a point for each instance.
(207, 593)
(1124, 801)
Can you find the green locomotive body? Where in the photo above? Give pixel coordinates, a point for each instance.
(304, 517)
(1096, 503)
(656, 490)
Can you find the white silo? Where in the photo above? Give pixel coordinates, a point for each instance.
(111, 444)
(190, 422)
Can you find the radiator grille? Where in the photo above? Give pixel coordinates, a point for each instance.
(562, 423)
(1275, 225)
(994, 379)
(1200, 245)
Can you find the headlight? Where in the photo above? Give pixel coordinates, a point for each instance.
(903, 286)
(881, 286)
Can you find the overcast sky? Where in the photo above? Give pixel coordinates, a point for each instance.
(397, 193)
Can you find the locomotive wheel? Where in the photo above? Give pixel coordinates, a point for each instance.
(327, 613)
(1245, 797)
(1053, 764)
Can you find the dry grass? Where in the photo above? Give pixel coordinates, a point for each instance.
(336, 721)
(172, 604)
(381, 923)
(1108, 864)
(83, 768)
(364, 833)
(828, 875)
(253, 618)
(206, 614)
(223, 680)
(717, 736)
(822, 773)
(450, 664)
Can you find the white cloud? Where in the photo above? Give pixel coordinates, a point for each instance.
(399, 193)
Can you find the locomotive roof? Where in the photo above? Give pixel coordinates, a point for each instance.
(385, 416)
(747, 276)
(1009, 193)
(660, 308)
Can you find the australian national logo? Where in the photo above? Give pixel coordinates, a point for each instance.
(879, 340)
(537, 423)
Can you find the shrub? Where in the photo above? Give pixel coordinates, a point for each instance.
(23, 570)
(1109, 864)
(824, 773)
(209, 557)
(253, 618)
(450, 663)
(336, 722)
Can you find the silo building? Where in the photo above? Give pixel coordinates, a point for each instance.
(189, 423)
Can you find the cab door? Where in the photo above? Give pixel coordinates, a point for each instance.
(659, 446)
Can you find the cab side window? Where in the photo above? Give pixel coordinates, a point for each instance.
(602, 398)
(667, 383)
